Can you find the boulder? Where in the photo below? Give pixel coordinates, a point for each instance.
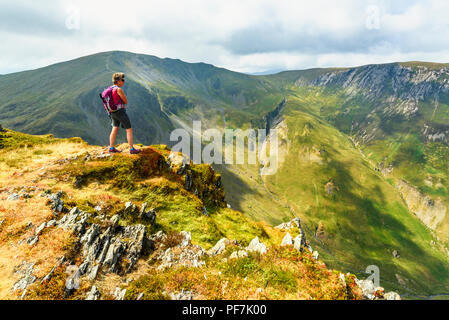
(368, 288)
(287, 241)
(186, 238)
(298, 243)
(392, 296)
(220, 247)
(256, 246)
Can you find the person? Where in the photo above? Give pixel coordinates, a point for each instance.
(120, 117)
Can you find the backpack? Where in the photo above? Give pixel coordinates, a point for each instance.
(108, 100)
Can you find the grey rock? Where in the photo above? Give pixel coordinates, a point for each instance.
(367, 287)
(239, 254)
(119, 294)
(94, 294)
(32, 240)
(40, 228)
(26, 271)
(186, 238)
(51, 223)
(93, 272)
(219, 247)
(256, 246)
(287, 241)
(13, 197)
(392, 296)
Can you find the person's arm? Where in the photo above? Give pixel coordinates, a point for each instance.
(122, 95)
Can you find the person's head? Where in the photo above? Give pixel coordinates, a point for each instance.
(118, 79)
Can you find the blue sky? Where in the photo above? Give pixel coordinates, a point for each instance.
(244, 35)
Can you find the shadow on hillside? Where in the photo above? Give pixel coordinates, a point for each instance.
(373, 229)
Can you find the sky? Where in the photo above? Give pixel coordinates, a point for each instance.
(241, 35)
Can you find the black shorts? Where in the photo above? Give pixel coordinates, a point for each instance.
(120, 118)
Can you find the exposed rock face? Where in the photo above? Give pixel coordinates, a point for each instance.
(394, 91)
(430, 212)
(105, 248)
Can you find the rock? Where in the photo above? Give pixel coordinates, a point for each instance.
(73, 281)
(13, 197)
(396, 254)
(114, 252)
(188, 256)
(56, 203)
(51, 223)
(392, 296)
(93, 272)
(183, 295)
(40, 228)
(115, 221)
(26, 271)
(315, 255)
(367, 287)
(289, 225)
(186, 238)
(239, 254)
(148, 215)
(298, 243)
(287, 241)
(94, 294)
(32, 240)
(219, 248)
(130, 208)
(119, 294)
(205, 212)
(50, 274)
(256, 246)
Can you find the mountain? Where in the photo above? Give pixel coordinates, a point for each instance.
(77, 223)
(362, 150)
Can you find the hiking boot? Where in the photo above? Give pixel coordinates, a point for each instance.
(134, 151)
(113, 150)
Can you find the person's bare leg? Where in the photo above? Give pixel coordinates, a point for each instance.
(129, 136)
(113, 136)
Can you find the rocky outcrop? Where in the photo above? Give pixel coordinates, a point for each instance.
(185, 254)
(430, 212)
(25, 271)
(371, 292)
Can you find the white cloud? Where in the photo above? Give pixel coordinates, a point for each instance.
(247, 36)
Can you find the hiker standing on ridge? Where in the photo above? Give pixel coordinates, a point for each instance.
(114, 101)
